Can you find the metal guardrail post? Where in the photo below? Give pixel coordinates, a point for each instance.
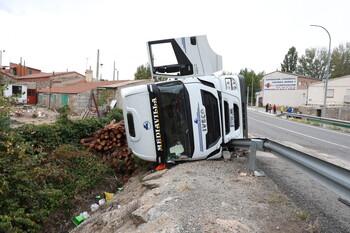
(252, 157)
(254, 144)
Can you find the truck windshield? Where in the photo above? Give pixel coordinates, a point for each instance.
(177, 120)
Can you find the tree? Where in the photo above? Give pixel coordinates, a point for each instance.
(340, 62)
(313, 63)
(143, 72)
(290, 61)
(251, 78)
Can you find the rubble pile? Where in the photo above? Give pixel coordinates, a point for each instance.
(34, 113)
(110, 144)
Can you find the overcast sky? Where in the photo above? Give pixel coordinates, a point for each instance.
(60, 35)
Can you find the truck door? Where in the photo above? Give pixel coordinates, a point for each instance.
(205, 110)
(232, 110)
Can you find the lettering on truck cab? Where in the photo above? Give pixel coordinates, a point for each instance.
(157, 133)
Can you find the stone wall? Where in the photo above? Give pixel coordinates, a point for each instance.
(341, 113)
(78, 103)
(83, 101)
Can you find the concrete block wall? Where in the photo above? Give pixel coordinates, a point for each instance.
(341, 113)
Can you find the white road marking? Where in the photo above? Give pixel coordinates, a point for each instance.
(305, 135)
(306, 125)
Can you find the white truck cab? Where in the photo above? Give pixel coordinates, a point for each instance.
(190, 117)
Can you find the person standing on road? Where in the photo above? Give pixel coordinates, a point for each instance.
(267, 107)
(274, 109)
(282, 109)
(270, 108)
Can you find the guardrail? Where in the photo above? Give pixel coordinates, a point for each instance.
(322, 120)
(332, 176)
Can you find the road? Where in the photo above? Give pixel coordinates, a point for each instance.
(334, 145)
(326, 212)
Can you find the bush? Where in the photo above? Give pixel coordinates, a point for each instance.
(32, 187)
(70, 132)
(40, 170)
(47, 137)
(115, 114)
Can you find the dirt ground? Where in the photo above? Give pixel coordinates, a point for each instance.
(202, 196)
(33, 115)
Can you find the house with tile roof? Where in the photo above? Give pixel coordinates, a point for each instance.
(80, 96)
(28, 80)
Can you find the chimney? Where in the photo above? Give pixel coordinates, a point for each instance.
(88, 76)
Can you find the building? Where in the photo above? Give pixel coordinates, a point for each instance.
(115, 89)
(338, 92)
(78, 96)
(13, 88)
(27, 80)
(338, 99)
(284, 89)
(81, 96)
(19, 70)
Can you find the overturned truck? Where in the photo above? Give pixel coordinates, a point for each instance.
(192, 115)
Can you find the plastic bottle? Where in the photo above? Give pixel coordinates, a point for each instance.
(94, 207)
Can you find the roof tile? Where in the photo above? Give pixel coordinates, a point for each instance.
(78, 87)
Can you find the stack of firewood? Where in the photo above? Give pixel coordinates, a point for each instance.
(111, 145)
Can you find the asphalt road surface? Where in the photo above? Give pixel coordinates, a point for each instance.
(324, 209)
(332, 143)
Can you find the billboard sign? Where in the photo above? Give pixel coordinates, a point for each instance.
(280, 83)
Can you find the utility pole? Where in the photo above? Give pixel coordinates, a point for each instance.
(114, 69)
(247, 95)
(98, 63)
(327, 72)
(252, 91)
(50, 85)
(1, 51)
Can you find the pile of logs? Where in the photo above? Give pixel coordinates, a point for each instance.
(111, 145)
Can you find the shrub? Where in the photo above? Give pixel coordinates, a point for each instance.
(47, 137)
(71, 132)
(38, 175)
(64, 111)
(115, 114)
(32, 187)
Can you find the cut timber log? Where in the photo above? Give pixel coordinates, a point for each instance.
(110, 144)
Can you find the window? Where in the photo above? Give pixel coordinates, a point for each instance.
(330, 93)
(169, 59)
(16, 90)
(54, 98)
(213, 119)
(64, 99)
(41, 98)
(30, 72)
(176, 116)
(236, 113)
(227, 117)
(131, 124)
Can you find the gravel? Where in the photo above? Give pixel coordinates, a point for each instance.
(202, 196)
